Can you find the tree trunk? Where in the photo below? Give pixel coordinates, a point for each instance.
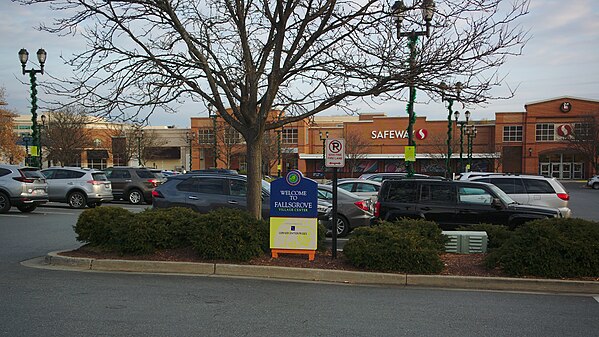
(254, 163)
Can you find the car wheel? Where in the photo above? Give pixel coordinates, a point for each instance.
(27, 208)
(342, 226)
(135, 197)
(4, 203)
(596, 186)
(77, 200)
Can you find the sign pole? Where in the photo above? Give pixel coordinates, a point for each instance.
(334, 213)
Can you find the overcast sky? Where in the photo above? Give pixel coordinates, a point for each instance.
(561, 59)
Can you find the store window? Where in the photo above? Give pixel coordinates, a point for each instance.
(545, 132)
(205, 136)
(582, 130)
(290, 136)
(232, 136)
(512, 133)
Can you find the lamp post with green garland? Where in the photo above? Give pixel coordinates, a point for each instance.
(446, 96)
(400, 11)
(41, 57)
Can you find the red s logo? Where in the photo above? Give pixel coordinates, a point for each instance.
(421, 134)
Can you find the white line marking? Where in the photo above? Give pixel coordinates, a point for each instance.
(596, 298)
(62, 213)
(14, 216)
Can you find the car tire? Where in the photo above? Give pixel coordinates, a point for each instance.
(135, 197)
(77, 200)
(4, 203)
(596, 186)
(342, 226)
(27, 208)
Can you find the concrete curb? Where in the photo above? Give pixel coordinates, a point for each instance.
(323, 275)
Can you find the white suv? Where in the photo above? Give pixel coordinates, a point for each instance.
(529, 189)
(593, 182)
(78, 186)
(23, 187)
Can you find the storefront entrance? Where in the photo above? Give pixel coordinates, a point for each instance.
(561, 166)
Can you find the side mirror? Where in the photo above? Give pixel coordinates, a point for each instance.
(496, 203)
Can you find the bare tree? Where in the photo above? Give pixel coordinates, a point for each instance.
(230, 140)
(252, 55)
(355, 150)
(585, 140)
(9, 150)
(131, 141)
(271, 145)
(66, 135)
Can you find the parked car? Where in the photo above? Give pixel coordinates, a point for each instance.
(454, 203)
(360, 187)
(23, 187)
(389, 175)
(352, 210)
(204, 192)
(530, 189)
(159, 174)
(78, 186)
(593, 182)
(133, 184)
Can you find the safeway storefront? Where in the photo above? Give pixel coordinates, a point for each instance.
(539, 140)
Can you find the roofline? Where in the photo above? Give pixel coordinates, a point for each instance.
(561, 97)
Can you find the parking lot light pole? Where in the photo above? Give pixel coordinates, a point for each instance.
(446, 96)
(400, 11)
(190, 137)
(323, 139)
(41, 57)
(214, 115)
(42, 128)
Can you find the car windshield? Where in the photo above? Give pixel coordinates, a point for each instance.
(266, 186)
(501, 194)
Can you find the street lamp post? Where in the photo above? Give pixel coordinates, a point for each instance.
(139, 134)
(213, 115)
(462, 124)
(279, 153)
(470, 134)
(26, 140)
(41, 57)
(323, 139)
(400, 11)
(449, 99)
(190, 137)
(42, 128)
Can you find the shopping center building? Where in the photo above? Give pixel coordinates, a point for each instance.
(538, 140)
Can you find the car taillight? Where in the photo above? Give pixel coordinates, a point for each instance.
(377, 209)
(363, 205)
(154, 182)
(24, 179)
(563, 196)
(95, 182)
(157, 194)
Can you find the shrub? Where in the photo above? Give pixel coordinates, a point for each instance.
(410, 246)
(102, 226)
(168, 227)
(496, 234)
(550, 248)
(230, 234)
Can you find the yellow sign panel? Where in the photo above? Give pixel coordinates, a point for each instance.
(410, 153)
(279, 167)
(33, 151)
(293, 233)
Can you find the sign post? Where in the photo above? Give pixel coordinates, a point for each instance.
(335, 157)
(293, 215)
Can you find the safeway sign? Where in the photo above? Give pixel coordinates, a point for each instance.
(335, 153)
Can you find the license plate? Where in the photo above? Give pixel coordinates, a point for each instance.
(39, 191)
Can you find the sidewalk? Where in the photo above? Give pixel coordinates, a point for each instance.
(54, 261)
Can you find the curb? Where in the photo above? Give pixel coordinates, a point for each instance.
(323, 275)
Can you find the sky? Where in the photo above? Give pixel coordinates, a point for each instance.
(561, 59)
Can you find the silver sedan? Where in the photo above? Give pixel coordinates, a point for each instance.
(352, 210)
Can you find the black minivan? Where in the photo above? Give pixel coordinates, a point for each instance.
(452, 203)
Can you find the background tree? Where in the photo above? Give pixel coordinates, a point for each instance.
(131, 141)
(356, 148)
(10, 152)
(229, 141)
(66, 135)
(245, 57)
(585, 140)
(271, 145)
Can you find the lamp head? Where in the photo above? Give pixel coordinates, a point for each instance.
(467, 114)
(458, 89)
(399, 12)
(41, 56)
(23, 56)
(428, 9)
(456, 114)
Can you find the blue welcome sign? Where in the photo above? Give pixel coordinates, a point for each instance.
(294, 196)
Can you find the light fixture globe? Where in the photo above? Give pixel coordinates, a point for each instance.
(23, 56)
(428, 9)
(41, 56)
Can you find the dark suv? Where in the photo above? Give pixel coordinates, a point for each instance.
(454, 203)
(133, 184)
